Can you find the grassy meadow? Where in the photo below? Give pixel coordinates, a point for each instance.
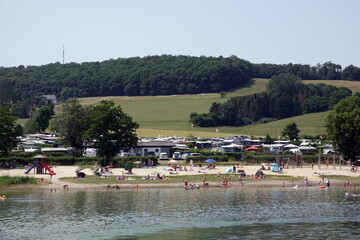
(169, 115)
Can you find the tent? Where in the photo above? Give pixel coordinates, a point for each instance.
(251, 149)
(288, 146)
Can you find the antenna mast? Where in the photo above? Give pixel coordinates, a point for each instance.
(63, 54)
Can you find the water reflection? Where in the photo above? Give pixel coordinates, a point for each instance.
(195, 214)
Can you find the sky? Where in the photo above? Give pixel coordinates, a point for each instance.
(33, 32)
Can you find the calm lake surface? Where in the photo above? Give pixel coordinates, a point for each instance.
(215, 213)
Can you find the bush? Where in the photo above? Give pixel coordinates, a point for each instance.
(121, 161)
(201, 159)
(23, 159)
(255, 158)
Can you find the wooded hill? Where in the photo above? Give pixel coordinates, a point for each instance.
(153, 75)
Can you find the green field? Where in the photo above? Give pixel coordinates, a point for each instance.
(169, 115)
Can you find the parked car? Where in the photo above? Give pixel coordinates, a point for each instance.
(186, 155)
(176, 156)
(150, 153)
(89, 152)
(163, 156)
(194, 154)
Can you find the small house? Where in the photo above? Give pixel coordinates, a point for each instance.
(51, 98)
(153, 148)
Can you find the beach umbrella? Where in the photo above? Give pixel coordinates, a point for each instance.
(274, 164)
(79, 169)
(209, 160)
(172, 161)
(264, 164)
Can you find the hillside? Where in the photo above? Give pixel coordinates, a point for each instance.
(168, 115)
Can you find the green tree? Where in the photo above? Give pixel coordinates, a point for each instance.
(343, 127)
(268, 139)
(31, 126)
(222, 94)
(66, 93)
(337, 96)
(42, 117)
(283, 92)
(6, 91)
(291, 131)
(315, 103)
(70, 124)
(203, 120)
(110, 129)
(9, 131)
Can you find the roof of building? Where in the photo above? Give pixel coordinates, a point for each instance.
(49, 97)
(155, 144)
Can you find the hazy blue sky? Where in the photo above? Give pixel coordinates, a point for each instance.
(32, 32)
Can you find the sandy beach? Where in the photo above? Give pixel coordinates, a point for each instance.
(314, 175)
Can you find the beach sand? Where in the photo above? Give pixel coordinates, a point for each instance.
(314, 175)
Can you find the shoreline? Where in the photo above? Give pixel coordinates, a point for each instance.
(257, 184)
(313, 175)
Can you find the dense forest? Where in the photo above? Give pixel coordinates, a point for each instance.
(153, 75)
(325, 71)
(285, 96)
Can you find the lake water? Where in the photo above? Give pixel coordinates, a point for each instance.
(216, 213)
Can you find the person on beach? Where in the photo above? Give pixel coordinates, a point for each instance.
(240, 180)
(185, 183)
(327, 182)
(205, 184)
(306, 181)
(224, 181)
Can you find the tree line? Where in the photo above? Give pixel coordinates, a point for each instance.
(23, 86)
(285, 96)
(325, 71)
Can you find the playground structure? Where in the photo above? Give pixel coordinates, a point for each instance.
(40, 166)
(330, 161)
(324, 161)
(292, 161)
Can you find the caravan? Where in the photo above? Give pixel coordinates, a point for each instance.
(89, 152)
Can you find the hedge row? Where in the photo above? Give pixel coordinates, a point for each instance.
(252, 158)
(71, 160)
(201, 159)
